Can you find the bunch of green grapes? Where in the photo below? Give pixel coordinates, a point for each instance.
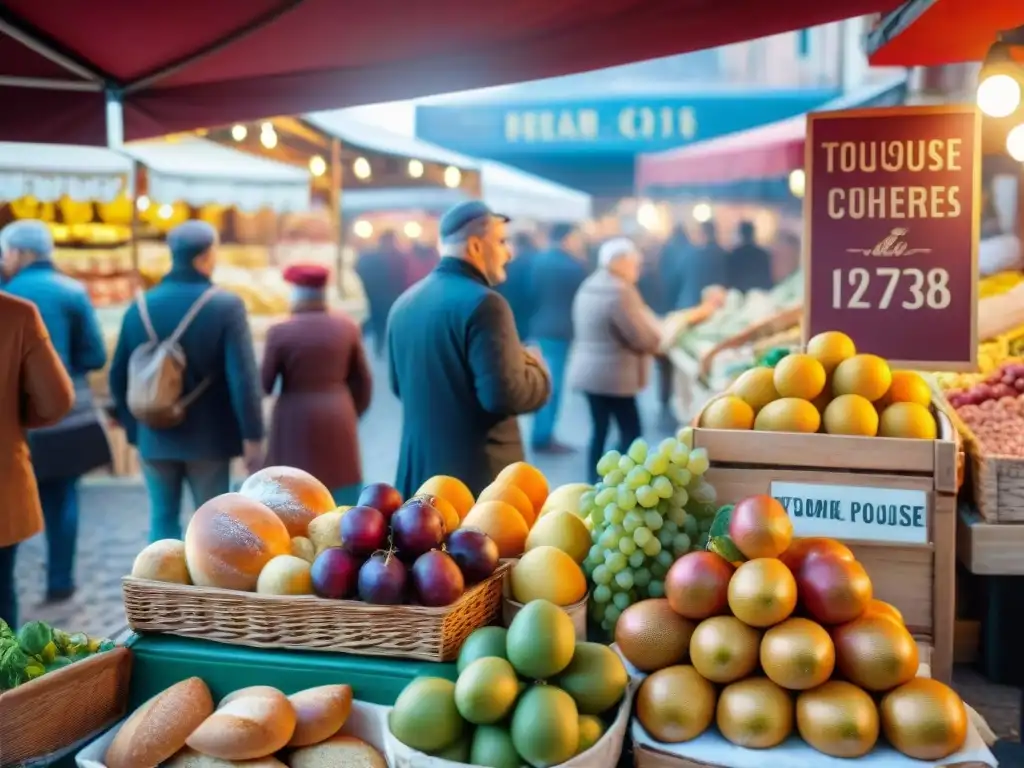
(651, 507)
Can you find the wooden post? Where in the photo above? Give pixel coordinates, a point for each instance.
(337, 179)
(134, 225)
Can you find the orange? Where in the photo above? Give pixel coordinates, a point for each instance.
(908, 387)
(503, 523)
(799, 375)
(910, 420)
(528, 479)
(830, 349)
(451, 489)
(510, 494)
(865, 375)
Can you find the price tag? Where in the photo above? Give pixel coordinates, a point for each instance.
(855, 513)
(890, 251)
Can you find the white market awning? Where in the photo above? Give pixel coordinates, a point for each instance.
(50, 171)
(525, 196)
(200, 172)
(359, 135)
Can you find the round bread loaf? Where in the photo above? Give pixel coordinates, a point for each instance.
(319, 713)
(293, 495)
(338, 752)
(229, 540)
(160, 727)
(250, 725)
(163, 560)
(189, 758)
(252, 690)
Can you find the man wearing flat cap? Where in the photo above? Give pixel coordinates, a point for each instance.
(316, 356)
(224, 416)
(457, 363)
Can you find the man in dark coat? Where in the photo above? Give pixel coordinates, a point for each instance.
(749, 266)
(456, 361)
(557, 273)
(704, 266)
(517, 288)
(225, 419)
(383, 274)
(325, 386)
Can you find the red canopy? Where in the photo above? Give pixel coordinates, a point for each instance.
(768, 152)
(947, 32)
(180, 64)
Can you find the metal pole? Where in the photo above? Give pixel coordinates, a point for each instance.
(337, 179)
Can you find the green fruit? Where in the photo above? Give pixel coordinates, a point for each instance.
(457, 752)
(492, 748)
(541, 640)
(596, 678)
(486, 690)
(546, 726)
(425, 716)
(591, 731)
(486, 641)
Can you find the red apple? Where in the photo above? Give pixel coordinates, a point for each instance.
(335, 573)
(436, 579)
(697, 585)
(382, 497)
(416, 528)
(833, 590)
(474, 552)
(363, 531)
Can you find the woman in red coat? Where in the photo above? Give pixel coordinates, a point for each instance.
(316, 363)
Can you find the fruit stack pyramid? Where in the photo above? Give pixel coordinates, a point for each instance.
(788, 638)
(828, 388)
(529, 695)
(651, 506)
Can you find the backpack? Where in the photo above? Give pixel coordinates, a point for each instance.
(156, 371)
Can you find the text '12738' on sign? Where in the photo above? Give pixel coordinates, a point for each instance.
(910, 288)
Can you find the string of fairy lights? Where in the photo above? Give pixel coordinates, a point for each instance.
(1000, 87)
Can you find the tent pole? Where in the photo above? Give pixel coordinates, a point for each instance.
(133, 195)
(115, 119)
(337, 179)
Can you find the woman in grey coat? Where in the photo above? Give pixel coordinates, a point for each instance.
(614, 335)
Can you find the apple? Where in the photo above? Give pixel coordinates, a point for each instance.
(382, 497)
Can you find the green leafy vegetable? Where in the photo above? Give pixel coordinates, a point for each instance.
(6, 633)
(13, 664)
(34, 637)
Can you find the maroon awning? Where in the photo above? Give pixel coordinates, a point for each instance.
(176, 65)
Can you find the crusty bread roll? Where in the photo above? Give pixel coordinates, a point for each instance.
(319, 713)
(160, 727)
(229, 540)
(252, 690)
(294, 495)
(338, 752)
(248, 726)
(189, 758)
(162, 560)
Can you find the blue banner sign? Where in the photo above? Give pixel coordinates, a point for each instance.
(624, 126)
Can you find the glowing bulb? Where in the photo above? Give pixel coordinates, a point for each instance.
(363, 229)
(412, 229)
(361, 168)
(798, 182)
(268, 139)
(142, 203)
(165, 211)
(1015, 142)
(317, 165)
(702, 212)
(998, 95)
(415, 169)
(452, 177)
(647, 216)
(267, 127)
(239, 132)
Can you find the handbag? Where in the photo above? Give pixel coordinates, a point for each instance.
(74, 446)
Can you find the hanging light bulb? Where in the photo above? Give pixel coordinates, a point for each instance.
(317, 165)
(647, 215)
(363, 229)
(1015, 142)
(361, 168)
(702, 212)
(999, 88)
(165, 211)
(415, 169)
(797, 183)
(239, 132)
(412, 229)
(142, 204)
(452, 177)
(267, 127)
(268, 138)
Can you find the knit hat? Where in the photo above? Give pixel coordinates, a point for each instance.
(310, 281)
(189, 240)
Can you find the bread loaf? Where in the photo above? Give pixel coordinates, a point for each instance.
(162, 560)
(189, 758)
(319, 713)
(338, 752)
(292, 494)
(160, 727)
(229, 540)
(251, 723)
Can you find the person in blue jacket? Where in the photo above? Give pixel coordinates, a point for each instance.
(65, 451)
(456, 361)
(225, 420)
(556, 274)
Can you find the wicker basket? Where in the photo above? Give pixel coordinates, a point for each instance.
(998, 487)
(54, 711)
(312, 623)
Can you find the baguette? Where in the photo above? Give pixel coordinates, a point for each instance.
(338, 752)
(249, 725)
(189, 758)
(320, 713)
(160, 727)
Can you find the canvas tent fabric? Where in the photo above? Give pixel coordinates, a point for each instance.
(48, 172)
(176, 66)
(357, 134)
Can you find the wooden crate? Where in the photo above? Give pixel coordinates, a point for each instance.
(998, 486)
(919, 579)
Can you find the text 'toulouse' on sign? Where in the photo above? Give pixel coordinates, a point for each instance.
(855, 513)
(892, 226)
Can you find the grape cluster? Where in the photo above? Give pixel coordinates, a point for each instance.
(651, 507)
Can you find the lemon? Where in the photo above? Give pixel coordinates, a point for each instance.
(799, 375)
(851, 415)
(907, 420)
(865, 375)
(727, 412)
(831, 348)
(561, 530)
(548, 573)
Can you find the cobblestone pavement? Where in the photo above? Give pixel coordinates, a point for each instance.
(114, 529)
